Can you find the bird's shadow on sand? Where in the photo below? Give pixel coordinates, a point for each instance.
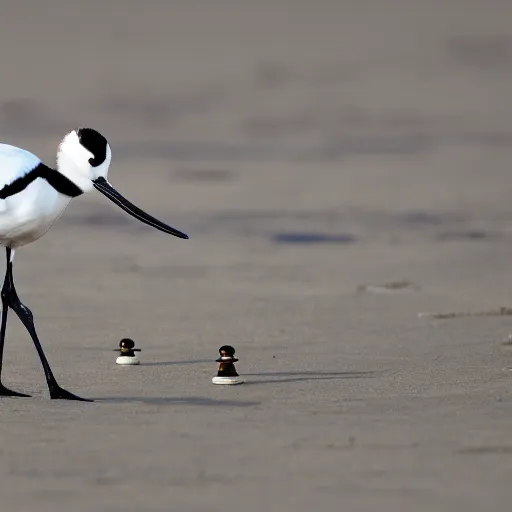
(204, 401)
(175, 400)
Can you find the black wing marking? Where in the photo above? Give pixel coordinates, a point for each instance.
(57, 180)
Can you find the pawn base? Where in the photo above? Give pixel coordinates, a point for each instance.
(227, 380)
(125, 360)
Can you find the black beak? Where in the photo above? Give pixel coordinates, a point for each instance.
(109, 191)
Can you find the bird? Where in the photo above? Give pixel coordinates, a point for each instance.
(32, 197)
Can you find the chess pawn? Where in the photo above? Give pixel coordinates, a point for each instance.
(127, 352)
(227, 373)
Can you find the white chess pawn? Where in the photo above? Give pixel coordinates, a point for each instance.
(227, 373)
(127, 350)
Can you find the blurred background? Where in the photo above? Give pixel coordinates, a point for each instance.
(309, 148)
(283, 122)
(284, 106)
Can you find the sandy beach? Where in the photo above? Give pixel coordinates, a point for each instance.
(343, 169)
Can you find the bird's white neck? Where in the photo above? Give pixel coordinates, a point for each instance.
(73, 161)
(70, 168)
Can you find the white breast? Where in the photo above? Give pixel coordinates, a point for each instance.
(26, 216)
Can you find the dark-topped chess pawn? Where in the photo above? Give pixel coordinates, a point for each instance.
(227, 372)
(127, 350)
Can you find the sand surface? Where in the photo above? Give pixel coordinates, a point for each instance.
(319, 154)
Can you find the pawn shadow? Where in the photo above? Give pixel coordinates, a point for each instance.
(304, 376)
(175, 363)
(319, 374)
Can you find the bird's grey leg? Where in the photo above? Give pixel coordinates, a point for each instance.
(5, 308)
(26, 317)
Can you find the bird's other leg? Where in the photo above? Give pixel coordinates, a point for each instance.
(5, 308)
(26, 317)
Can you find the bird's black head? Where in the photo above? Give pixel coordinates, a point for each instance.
(95, 143)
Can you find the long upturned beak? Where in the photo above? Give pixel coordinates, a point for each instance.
(109, 191)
